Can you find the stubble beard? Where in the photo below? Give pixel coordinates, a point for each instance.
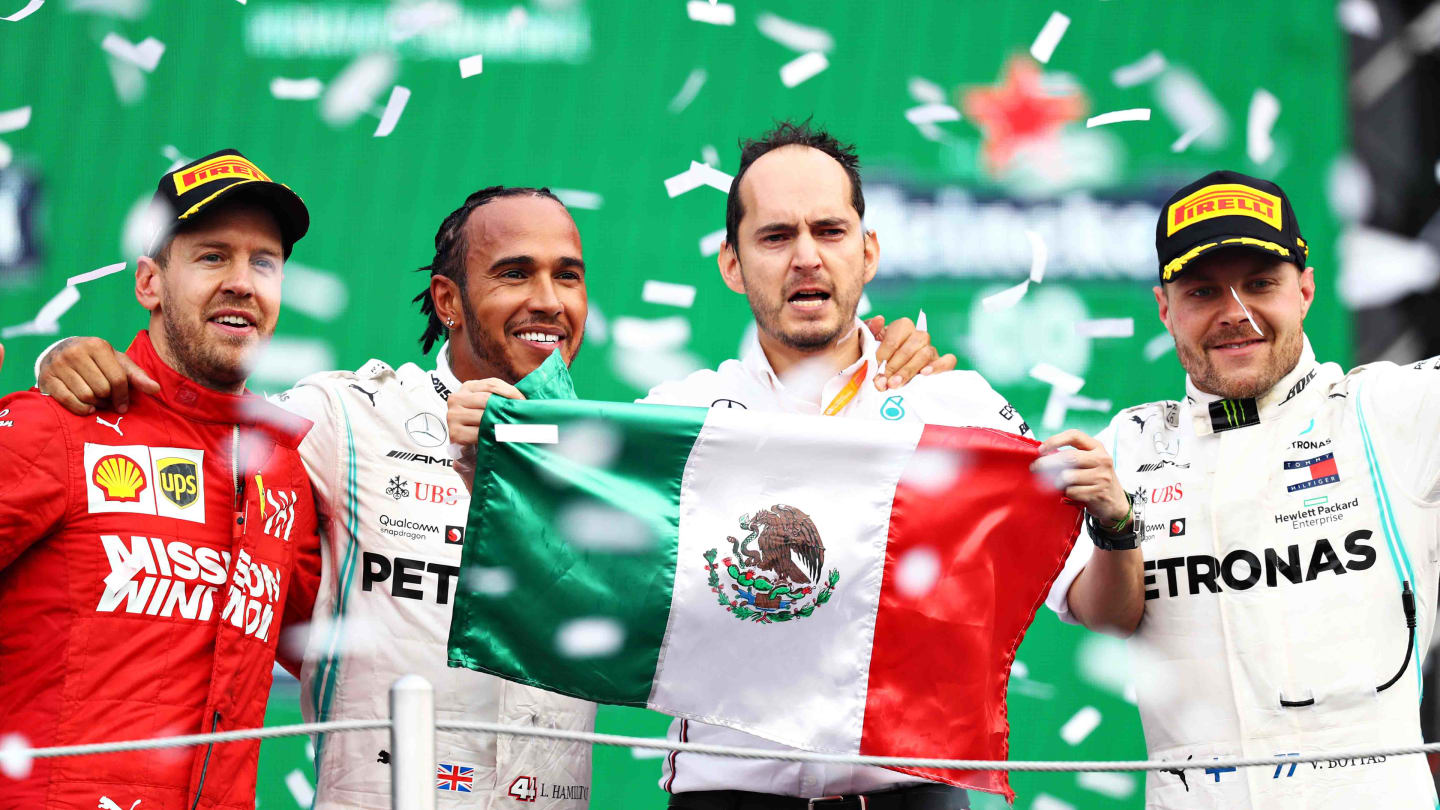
(1283, 357)
(816, 336)
(197, 355)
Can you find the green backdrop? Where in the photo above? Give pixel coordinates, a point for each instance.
(587, 97)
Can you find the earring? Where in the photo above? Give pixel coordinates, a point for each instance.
(449, 323)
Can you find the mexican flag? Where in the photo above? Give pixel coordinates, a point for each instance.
(830, 584)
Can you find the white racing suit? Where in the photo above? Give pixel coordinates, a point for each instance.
(1276, 552)
(395, 520)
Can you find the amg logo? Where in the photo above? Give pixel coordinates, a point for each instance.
(420, 457)
(1161, 464)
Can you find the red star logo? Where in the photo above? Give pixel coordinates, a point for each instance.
(1016, 111)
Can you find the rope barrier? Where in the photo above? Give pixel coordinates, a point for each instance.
(784, 755)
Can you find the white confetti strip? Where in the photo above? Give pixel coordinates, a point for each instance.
(931, 114)
(712, 13)
(145, 55)
(1044, 46)
(921, 323)
(1078, 727)
(711, 243)
(802, 68)
(1044, 801)
(649, 753)
(1118, 116)
(925, 91)
(1057, 377)
(1157, 346)
(1079, 403)
(917, 573)
(14, 763)
(1006, 298)
(863, 308)
(1264, 110)
(1183, 142)
(709, 155)
(16, 119)
(94, 274)
(296, 781)
(30, 8)
(793, 35)
(1039, 256)
(528, 434)
(590, 637)
(356, 88)
(316, 293)
(652, 335)
(696, 176)
(689, 90)
(472, 65)
(1114, 785)
(393, 108)
(1191, 107)
(1359, 17)
(669, 294)
(1140, 71)
(296, 89)
(57, 306)
(1248, 316)
(1106, 328)
(496, 582)
(578, 198)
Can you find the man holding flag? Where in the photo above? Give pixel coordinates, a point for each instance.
(1279, 584)
(797, 249)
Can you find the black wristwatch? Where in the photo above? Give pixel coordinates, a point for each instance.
(1116, 538)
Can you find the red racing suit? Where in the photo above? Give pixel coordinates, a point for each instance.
(147, 563)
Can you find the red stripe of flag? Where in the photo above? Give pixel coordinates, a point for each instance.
(940, 661)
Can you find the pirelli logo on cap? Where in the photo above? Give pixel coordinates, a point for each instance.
(220, 168)
(1223, 200)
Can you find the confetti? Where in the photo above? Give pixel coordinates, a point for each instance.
(471, 65)
(16, 119)
(407, 21)
(1063, 386)
(30, 8)
(393, 108)
(711, 243)
(94, 274)
(689, 90)
(1079, 403)
(285, 360)
(712, 13)
(517, 18)
(932, 470)
(145, 55)
(803, 67)
(931, 114)
(1039, 256)
(920, 322)
(696, 176)
(1006, 298)
(590, 637)
(496, 582)
(709, 155)
(1143, 70)
(648, 753)
(793, 35)
(1191, 107)
(296, 89)
(863, 308)
(1044, 801)
(1248, 316)
(576, 198)
(1114, 785)
(1106, 328)
(1183, 142)
(1359, 17)
(357, 87)
(917, 573)
(664, 292)
(318, 294)
(1117, 116)
(925, 91)
(1078, 727)
(1157, 346)
(14, 762)
(597, 526)
(296, 781)
(1049, 37)
(528, 434)
(1264, 109)
(647, 335)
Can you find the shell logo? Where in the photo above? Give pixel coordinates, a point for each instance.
(120, 478)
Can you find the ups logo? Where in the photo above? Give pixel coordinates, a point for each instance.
(179, 480)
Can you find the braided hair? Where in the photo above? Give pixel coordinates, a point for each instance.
(450, 249)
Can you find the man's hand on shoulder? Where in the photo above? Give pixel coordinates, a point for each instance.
(904, 351)
(85, 373)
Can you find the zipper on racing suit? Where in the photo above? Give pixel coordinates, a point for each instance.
(236, 530)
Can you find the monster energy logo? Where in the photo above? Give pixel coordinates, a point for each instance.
(1228, 414)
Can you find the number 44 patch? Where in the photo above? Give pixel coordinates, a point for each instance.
(524, 789)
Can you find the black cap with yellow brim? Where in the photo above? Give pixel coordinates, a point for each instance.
(1227, 210)
(226, 176)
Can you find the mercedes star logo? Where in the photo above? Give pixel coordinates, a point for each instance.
(426, 429)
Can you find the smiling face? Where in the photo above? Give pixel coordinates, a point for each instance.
(216, 300)
(1214, 337)
(802, 256)
(524, 294)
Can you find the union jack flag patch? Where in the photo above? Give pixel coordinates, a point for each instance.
(454, 777)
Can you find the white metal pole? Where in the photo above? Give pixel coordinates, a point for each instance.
(412, 744)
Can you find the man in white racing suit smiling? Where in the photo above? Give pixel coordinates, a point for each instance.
(1278, 571)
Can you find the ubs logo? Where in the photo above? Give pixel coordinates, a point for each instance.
(1167, 494)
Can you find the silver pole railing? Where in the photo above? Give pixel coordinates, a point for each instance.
(412, 744)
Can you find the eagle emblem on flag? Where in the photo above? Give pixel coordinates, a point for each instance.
(774, 574)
